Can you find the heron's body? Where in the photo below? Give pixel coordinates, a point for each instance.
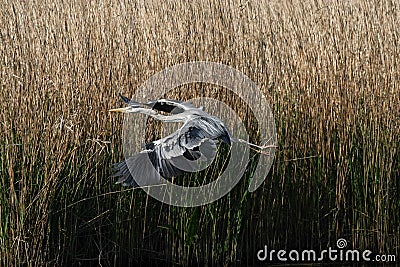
(176, 153)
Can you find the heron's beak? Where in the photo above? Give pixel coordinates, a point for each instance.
(124, 110)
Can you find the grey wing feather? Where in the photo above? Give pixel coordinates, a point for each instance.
(195, 131)
(141, 170)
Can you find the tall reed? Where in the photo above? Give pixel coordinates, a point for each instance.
(330, 71)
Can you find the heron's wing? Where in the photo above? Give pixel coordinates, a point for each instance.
(196, 130)
(171, 156)
(197, 137)
(166, 105)
(147, 167)
(142, 169)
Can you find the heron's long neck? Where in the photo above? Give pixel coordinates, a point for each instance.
(160, 117)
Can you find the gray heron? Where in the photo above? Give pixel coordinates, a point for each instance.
(196, 139)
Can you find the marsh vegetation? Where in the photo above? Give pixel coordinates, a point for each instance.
(330, 71)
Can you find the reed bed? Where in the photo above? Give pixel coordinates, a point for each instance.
(330, 71)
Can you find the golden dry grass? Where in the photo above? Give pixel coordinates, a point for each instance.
(330, 70)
